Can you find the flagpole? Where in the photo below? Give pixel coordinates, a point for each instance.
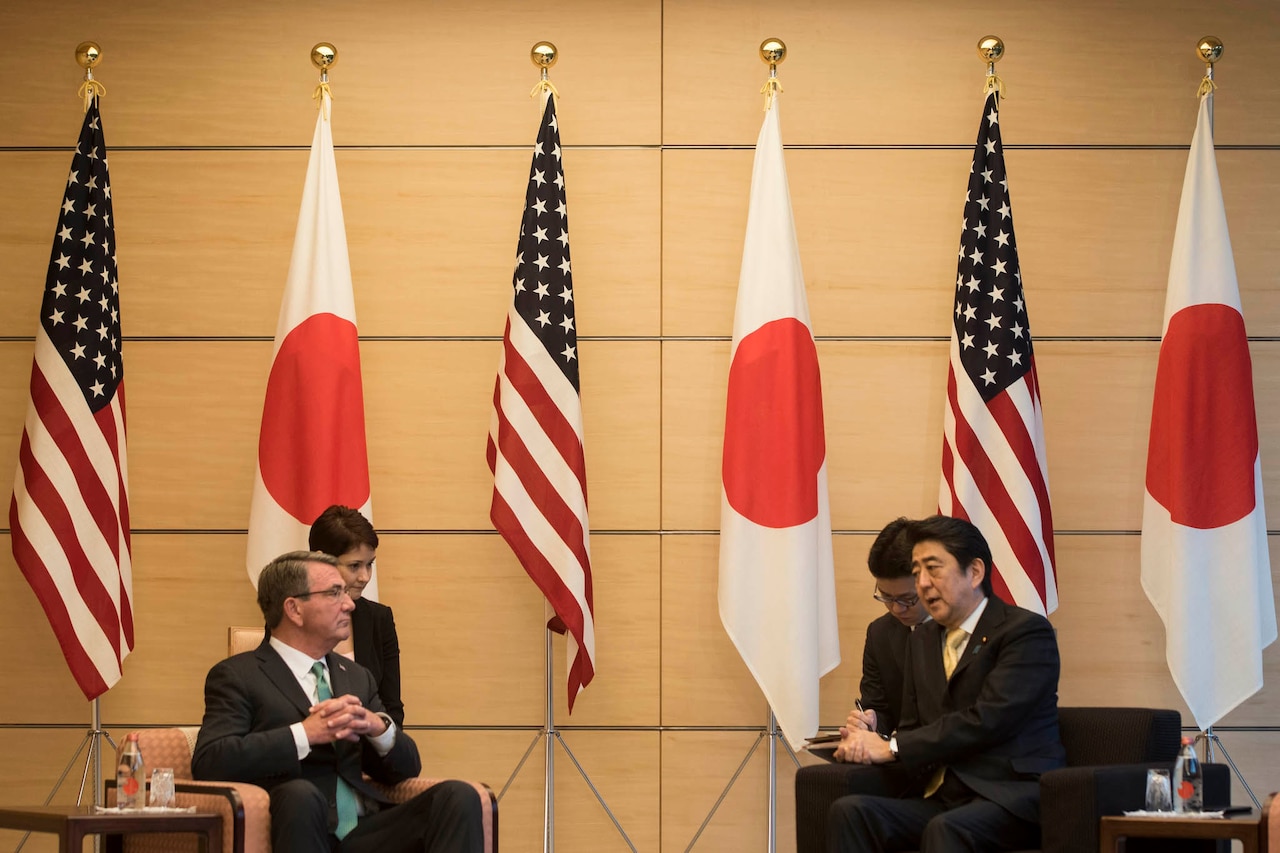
(549, 797)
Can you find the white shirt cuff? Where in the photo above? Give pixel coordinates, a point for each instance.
(300, 740)
(382, 743)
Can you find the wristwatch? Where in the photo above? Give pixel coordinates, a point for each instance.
(893, 745)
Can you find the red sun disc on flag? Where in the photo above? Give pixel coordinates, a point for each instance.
(1204, 435)
(312, 449)
(774, 442)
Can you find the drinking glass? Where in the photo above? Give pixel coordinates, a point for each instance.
(1159, 792)
(162, 787)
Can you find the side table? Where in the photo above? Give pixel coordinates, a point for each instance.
(1243, 828)
(72, 823)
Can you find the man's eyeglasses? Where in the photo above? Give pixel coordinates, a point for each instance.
(896, 601)
(333, 593)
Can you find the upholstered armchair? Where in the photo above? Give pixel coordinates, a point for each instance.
(1108, 753)
(245, 808)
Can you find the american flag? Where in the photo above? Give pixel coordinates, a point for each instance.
(535, 437)
(69, 513)
(993, 459)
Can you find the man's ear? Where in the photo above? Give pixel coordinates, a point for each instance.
(293, 611)
(977, 572)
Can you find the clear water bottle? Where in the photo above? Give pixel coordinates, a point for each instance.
(1188, 779)
(131, 779)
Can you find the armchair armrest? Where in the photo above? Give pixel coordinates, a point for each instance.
(408, 789)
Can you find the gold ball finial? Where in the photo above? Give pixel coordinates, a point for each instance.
(324, 56)
(990, 49)
(544, 54)
(88, 54)
(1209, 49)
(773, 51)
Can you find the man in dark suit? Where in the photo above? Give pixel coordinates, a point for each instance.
(885, 650)
(979, 718)
(303, 723)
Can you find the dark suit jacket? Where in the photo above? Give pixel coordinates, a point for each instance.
(377, 649)
(883, 659)
(995, 723)
(251, 699)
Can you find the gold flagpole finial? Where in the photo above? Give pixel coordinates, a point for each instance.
(544, 55)
(772, 52)
(1209, 49)
(88, 54)
(323, 56)
(990, 51)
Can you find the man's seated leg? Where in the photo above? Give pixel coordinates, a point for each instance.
(445, 818)
(299, 818)
(878, 824)
(978, 826)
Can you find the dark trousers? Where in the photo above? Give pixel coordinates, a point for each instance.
(446, 818)
(955, 820)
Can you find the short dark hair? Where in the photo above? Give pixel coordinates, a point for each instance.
(890, 554)
(285, 577)
(960, 538)
(340, 529)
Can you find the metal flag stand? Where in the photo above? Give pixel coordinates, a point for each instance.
(774, 734)
(1209, 49)
(553, 736)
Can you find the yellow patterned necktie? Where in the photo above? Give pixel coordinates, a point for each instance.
(348, 814)
(950, 657)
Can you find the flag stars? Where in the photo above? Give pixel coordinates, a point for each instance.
(975, 256)
(59, 289)
(86, 267)
(519, 285)
(540, 234)
(993, 322)
(567, 324)
(544, 319)
(560, 209)
(541, 262)
(563, 238)
(93, 182)
(91, 211)
(539, 177)
(97, 388)
(559, 181)
(65, 233)
(991, 349)
(77, 351)
(87, 239)
(541, 289)
(540, 206)
(966, 342)
(567, 294)
(1002, 238)
(102, 332)
(1015, 358)
(997, 294)
(570, 353)
(83, 295)
(998, 267)
(994, 118)
(1004, 210)
(55, 318)
(986, 176)
(984, 202)
(1017, 330)
(991, 146)
(564, 266)
(100, 360)
(63, 262)
(68, 206)
(989, 377)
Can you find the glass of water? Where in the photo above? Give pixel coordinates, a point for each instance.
(162, 787)
(1159, 792)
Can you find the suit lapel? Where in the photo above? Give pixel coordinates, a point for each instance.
(274, 668)
(988, 624)
(341, 678)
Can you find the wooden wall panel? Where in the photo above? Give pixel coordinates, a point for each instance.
(205, 237)
(239, 73)
(877, 233)
(1077, 87)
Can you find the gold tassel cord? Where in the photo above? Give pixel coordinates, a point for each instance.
(770, 90)
(1206, 86)
(994, 84)
(322, 89)
(544, 86)
(89, 90)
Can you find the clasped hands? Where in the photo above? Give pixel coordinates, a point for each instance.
(859, 742)
(341, 718)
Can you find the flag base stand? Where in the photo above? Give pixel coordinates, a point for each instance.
(92, 741)
(550, 736)
(774, 734)
(1211, 740)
